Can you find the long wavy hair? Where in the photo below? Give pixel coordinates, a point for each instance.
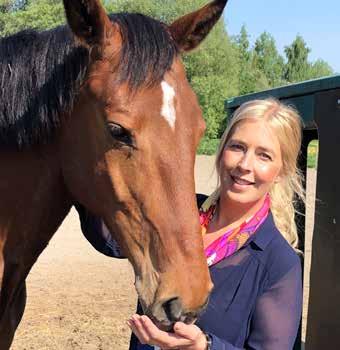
(287, 126)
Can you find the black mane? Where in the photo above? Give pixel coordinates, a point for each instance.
(41, 72)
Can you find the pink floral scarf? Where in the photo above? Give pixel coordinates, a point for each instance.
(233, 239)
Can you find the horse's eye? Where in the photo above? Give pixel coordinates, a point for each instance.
(120, 134)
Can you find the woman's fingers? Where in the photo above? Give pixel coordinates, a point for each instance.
(165, 339)
(147, 332)
(138, 329)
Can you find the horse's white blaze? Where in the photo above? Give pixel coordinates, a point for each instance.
(168, 109)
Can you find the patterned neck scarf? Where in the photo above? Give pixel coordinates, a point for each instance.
(233, 239)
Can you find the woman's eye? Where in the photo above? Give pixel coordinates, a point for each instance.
(120, 134)
(236, 147)
(265, 156)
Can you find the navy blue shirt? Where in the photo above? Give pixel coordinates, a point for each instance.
(256, 302)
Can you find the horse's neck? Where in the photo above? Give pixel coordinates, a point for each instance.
(34, 198)
(33, 204)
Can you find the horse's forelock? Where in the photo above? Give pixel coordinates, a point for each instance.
(148, 50)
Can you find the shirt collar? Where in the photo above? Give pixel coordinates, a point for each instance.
(265, 234)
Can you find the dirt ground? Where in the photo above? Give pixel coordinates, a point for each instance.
(80, 299)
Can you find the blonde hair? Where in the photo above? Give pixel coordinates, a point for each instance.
(287, 125)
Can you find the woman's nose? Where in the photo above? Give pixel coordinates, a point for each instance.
(246, 161)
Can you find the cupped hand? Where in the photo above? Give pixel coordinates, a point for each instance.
(185, 337)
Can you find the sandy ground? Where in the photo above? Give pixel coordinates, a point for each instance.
(80, 299)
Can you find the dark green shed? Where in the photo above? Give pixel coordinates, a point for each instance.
(318, 102)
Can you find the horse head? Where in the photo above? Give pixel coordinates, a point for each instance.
(128, 149)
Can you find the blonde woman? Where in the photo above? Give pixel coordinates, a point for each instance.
(249, 237)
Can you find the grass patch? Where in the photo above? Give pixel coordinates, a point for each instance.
(312, 154)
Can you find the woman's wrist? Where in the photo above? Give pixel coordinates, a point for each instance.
(205, 342)
(208, 341)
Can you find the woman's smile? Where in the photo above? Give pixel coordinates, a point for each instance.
(241, 182)
(251, 162)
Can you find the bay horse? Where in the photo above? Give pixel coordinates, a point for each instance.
(100, 112)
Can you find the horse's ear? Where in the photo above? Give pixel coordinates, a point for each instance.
(189, 30)
(88, 20)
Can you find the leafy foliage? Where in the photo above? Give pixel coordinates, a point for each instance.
(250, 78)
(268, 60)
(208, 146)
(37, 14)
(222, 67)
(297, 64)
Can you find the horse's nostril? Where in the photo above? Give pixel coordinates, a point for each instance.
(173, 309)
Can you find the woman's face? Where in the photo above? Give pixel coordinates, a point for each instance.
(251, 162)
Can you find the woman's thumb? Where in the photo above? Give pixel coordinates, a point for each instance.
(186, 331)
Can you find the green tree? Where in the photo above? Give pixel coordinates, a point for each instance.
(246, 78)
(297, 67)
(320, 68)
(251, 78)
(268, 60)
(5, 5)
(213, 73)
(37, 14)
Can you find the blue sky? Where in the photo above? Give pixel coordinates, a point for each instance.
(318, 22)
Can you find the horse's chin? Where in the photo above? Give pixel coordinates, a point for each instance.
(165, 326)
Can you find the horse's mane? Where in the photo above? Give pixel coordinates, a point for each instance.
(41, 72)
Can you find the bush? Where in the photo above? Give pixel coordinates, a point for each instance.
(208, 146)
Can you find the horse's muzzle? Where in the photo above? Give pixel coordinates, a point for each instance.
(166, 313)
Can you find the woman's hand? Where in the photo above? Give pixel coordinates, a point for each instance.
(185, 337)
